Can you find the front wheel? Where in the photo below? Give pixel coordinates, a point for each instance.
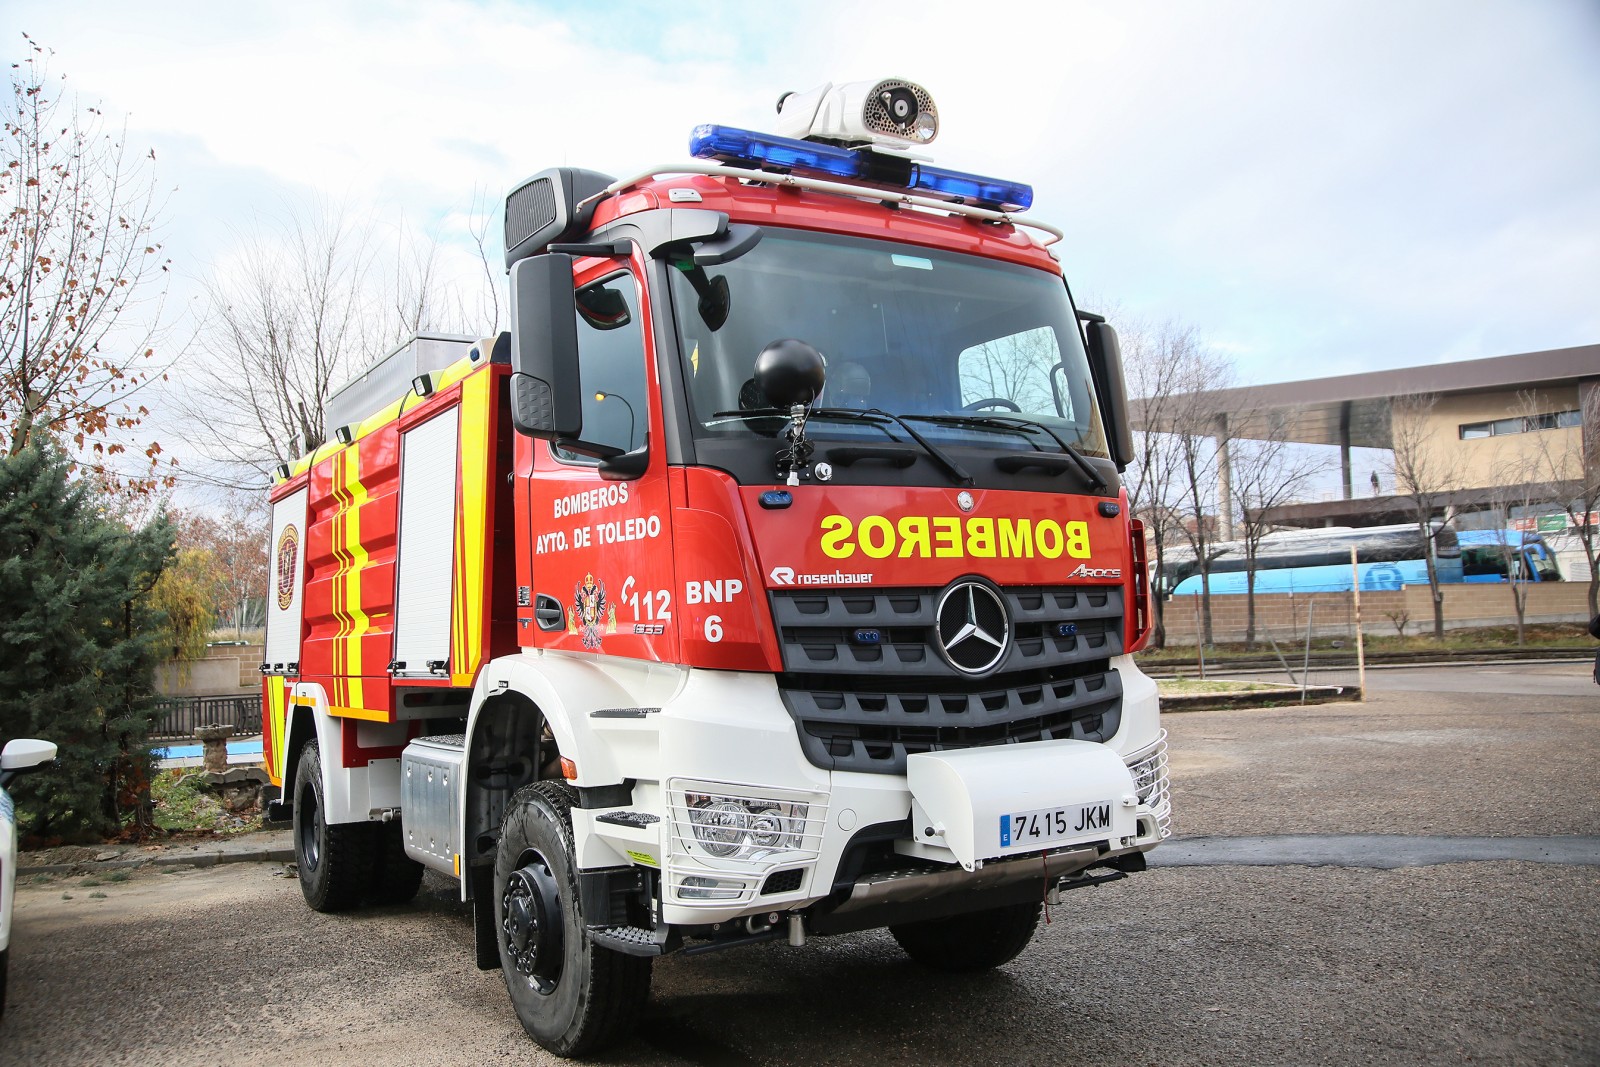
(570, 995)
(334, 861)
(976, 941)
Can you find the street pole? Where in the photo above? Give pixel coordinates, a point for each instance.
(1361, 646)
(613, 396)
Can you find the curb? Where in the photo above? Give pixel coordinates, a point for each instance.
(266, 852)
(1324, 661)
(1261, 698)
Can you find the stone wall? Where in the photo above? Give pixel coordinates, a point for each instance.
(226, 670)
(1285, 615)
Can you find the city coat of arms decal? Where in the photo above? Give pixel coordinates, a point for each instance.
(591, 614)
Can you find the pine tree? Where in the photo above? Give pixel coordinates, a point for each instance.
(78, 643)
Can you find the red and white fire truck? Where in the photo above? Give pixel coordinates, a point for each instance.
(771, 579)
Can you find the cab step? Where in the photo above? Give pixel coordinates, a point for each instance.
(635, 940)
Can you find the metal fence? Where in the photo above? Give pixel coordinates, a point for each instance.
(180, 716)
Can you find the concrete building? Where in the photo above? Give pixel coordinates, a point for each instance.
(1473, 423)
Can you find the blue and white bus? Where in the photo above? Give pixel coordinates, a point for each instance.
(1488, 555)
(1318, 561)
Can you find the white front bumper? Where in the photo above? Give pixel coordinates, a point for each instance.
(729, 734)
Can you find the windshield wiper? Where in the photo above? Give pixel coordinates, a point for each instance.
(877, 415)
(1024, 425)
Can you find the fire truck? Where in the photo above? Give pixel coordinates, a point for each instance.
(770, 579)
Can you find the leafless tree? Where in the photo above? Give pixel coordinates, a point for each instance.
(1152, 477)
(1015, 368)
(483, 216)
(83, 279)
(1177, 450)
(1202, 436)
(1267, 470)
(304, 304)
(1566, 468)
(293, 318)
(1513, 496)
(1423, 479)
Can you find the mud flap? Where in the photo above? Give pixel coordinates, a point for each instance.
(485, 936)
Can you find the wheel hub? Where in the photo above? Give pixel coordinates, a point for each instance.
(308, 830)
(531, 923)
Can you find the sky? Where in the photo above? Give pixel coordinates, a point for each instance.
(1318, 187)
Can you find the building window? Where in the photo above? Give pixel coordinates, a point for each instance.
(1551, 420)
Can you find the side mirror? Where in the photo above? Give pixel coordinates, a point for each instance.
(23, 755)
(546, 393)
(1105, 365)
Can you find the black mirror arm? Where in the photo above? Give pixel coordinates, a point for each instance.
(627, 466)
(589, 448)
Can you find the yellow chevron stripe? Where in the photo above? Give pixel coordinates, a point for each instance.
(276, 712)
(472, 527)
(336, 539)
(358, 713)
(355, 496)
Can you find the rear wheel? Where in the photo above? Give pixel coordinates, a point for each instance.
(396, 877)
(976, 941)
(334, 861)
(570, 995)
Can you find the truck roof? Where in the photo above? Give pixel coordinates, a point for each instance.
(857, 214)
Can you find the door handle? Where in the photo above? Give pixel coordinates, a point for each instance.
(547, 612)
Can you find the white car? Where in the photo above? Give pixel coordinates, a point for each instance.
(19, 757)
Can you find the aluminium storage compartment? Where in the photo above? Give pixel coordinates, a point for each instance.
(389, 378)
(430, 811)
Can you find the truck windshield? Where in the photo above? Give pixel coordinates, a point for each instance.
(967, 347)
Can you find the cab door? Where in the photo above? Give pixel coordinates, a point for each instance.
(601, 541)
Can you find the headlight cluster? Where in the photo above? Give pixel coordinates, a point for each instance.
(744, 828)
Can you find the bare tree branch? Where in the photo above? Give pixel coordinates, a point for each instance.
(83, 280)
(1423, 479)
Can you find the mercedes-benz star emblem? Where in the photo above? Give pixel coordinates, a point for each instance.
(964, 500)
(974, 627)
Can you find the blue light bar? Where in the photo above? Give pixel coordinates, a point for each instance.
(764, 151)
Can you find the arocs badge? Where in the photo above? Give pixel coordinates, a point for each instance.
(288, 556)
(591, 614)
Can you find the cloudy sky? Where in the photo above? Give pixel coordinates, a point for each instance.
(1319, 187)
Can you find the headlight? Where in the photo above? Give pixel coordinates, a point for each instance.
(743, 828)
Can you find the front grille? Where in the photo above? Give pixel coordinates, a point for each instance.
(1050, 627)
(865, 705)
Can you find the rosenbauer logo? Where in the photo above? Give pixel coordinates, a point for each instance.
(787, 576)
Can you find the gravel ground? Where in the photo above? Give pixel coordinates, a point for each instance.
(1473, 962)
(1492, 762)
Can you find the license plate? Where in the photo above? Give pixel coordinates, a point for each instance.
(1043, 827)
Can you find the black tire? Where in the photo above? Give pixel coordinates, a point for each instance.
(396, 877)
(335, 861)
(976, 941)
(576, 997)
(5, 955)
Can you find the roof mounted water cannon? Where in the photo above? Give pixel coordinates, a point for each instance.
(892, 113)
(859, 132)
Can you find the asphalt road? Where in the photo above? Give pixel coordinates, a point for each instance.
(1482, 962)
